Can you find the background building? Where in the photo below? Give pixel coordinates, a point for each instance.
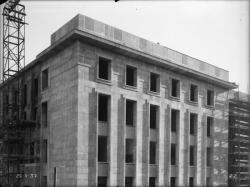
(102, 106)
(239, 140)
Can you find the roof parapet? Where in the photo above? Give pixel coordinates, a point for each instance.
(89, 25)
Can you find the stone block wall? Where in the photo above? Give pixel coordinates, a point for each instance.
(89, 87)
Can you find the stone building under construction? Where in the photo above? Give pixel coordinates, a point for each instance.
(109, 108)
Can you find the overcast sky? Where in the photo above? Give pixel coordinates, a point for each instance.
(212, 31)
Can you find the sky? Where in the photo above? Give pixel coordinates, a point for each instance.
(216, 31)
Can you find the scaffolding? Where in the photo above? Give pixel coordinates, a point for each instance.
(239, 140)
(16, 133)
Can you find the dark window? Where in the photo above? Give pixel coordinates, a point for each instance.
(6, 99)
(191, 155)
(210, 98)
(174, 120)
(34, 113)
(173, 154)
(130, 112)
(193, 123)
(24, 115)
(152, 156)
(128, 181)
(172, 182)
(151, 181)
(175, 88)
(191, 181)
(44, 181)
(209, 126)
(193, 93)
(131, 78)
(45, 146)
(208, 181)
(129, 151)
(154, 82)
(45, 79)
(36, 87)
(102, 182)
(25, 95)
(15, 98)
(32, 148)
(45, 114)
(153, 116)
(102, 149)
(103, 107)
(104, 68)
(208, 156)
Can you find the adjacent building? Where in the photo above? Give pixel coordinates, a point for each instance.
(239, 140)
(111, 108)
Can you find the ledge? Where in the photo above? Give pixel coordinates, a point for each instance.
(131, 88)
(103, 81)
(174, 98)
(194, 103)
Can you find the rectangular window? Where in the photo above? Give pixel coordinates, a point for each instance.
(32, 148)
(210, 98)
(104, 68)
(152, 156)
(25, 91)
(193, 93)
(45, 146)
(45, 79)
(44, 181)
(154, 82)
(175, 92)
(45, 114)
(152, 181)
(174, 120)
(193, 123)
(131, 76)
(209, 126)
(191, 155)
(36, 87)
(103, 107)
(130, 150)
(102, 181)
(128, 181)
(130, 112)
(153, 116)
(24, 115)
(173, 154)
(16, 97)
(209, 156)
(102, 149)
(191, 181)
(172, 182)
(208, 181)
(34, 113)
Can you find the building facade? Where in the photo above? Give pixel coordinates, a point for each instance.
(115, 109)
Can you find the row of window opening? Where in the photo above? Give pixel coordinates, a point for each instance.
(130, 152)
(104, 73)
(131, 113)
(102, 181)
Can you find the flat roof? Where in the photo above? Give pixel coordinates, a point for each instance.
(99, 34)
(89, 25)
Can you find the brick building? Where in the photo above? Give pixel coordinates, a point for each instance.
(115, 109)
